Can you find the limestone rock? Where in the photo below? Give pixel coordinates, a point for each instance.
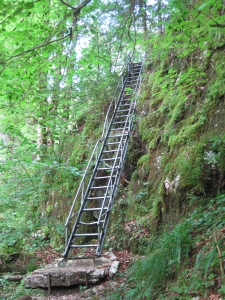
(114, 268)
(79, 271)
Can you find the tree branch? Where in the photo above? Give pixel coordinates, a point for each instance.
(77, 8)
(63, 2)
(84, 3)
(218, 25)
(34, 48)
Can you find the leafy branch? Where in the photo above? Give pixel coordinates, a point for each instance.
(25, 170)
(35, 48)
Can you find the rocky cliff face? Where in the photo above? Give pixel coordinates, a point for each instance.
(179, 145)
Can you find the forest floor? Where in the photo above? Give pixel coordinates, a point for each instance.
(103, 290)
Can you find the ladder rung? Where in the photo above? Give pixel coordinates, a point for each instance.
(90, 223)
(95, 209)
(114, 143)
(129, 85)
(102, 169)
(98, 187)
(120, 122)
(109, 168)
(121, 116)
(109, 151)
(136, 68)
(97, 198)
(127, 95)
(134, 76)
(119, 128)
(118, 115)
(86, 234)
(125, 102)
(116, 136)
(126, 99)
(84, 246)
(110, 159)
(103, 177)
(120, 110)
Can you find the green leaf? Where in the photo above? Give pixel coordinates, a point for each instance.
(29, 5)
(51, 47)
(92, 31)
(201, 7)
(18, 11)
(19, 50)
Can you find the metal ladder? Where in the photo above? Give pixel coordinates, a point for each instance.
(91, 209)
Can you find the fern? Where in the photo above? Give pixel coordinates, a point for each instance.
(163, 261)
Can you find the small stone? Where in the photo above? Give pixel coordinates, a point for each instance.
(111, 255)
(101, 288)
(114, 268)
(87, 294)
(113, 284)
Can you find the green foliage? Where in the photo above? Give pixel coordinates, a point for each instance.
(168, 255)
(12, 290)
(216, 152)
(144, 162)
(58, 72)
(189, 164)
(55, 90)
(163, 260)
(222, 290)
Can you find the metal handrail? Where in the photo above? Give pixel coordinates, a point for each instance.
(114, 101)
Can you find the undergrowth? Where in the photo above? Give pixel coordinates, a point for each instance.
(183, 263)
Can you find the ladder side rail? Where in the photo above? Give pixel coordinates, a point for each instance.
(117, 95)
(101, 226)
(79, 198)
(139, 80)
(71, 235)
(114, 186)
(110, 186)
(82, 185)
(107, 218)
(102, 234)
(123, 148)
(106, 125)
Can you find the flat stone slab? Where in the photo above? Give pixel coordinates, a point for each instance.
(80, 271)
